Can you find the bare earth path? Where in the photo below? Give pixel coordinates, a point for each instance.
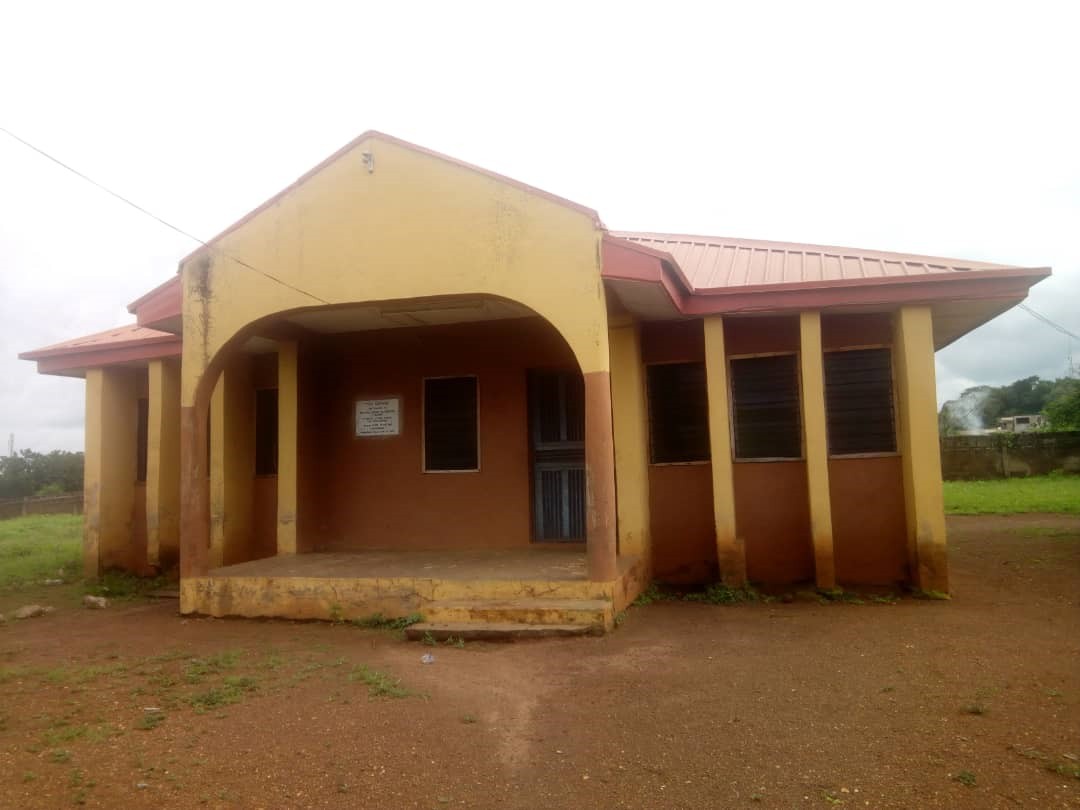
(922, 704)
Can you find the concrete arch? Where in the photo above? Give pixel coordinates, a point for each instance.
(265, 327)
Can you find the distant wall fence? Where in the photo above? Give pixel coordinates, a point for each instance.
(50, 505)
(1008, 455)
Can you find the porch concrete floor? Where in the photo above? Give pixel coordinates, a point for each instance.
(548, 563)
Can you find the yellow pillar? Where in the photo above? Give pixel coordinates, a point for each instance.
(816, 447)
(232, 463)
(913, 361)
(163, 464)
(630, 426)
(110, 469)
(287, 446)
(730, 552)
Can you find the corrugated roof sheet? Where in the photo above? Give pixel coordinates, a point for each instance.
(109, 339)
(712, 262)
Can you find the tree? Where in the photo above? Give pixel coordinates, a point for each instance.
(981, 406)
(28, 473)
(1063, 410)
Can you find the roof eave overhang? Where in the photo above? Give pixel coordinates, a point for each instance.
(161, 307)
(75, 360)
(970, 285)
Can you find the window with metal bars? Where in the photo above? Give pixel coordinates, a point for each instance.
(859, 402)
(450, 425)
(765, 402)
(678, 413)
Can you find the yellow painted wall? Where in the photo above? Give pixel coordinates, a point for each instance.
(110, 469)
(232, 463)
(913, 368)
(630, 423)
(163, 464)
(816, 447)
(416, 226)
(730, 551)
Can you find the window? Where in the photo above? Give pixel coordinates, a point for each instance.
(142, 431)
(266, 431)
(450, 425)
(765, 399)
(678, 413)
(859, 402)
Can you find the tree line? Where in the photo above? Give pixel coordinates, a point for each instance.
(38, 474)
(981, 406)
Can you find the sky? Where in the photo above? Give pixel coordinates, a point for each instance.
(944, 128)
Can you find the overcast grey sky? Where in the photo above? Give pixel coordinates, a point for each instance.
(942, 128)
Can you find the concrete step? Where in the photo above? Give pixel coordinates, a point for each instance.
(586, 612)
(495, 631)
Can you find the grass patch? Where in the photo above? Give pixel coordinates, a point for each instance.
(150, 721)
(39, 547)
(121, 585)
(377, 621)
(198, 669)
(650, 595)
(1010, 496)
(966, 778)
(379, 684)
(233, 689)
(720, 594)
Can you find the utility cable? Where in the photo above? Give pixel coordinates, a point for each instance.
(154, 216)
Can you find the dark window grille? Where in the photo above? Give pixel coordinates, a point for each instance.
(678, 413)
(765, 395)
(859, 402)
(450, 424)
(266, 431)
(142, 432)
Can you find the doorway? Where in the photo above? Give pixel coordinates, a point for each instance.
(557, 444)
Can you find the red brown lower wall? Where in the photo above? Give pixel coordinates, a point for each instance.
(869, 522)
(682, 528)
(263, 519)
(772, 516)
(372, 493)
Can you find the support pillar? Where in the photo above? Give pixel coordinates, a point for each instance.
(730, 551)
(110, 469)
(913, 364)
(816, 448)
(194, 496)
(163, 464)
(629, 416)
(600, 517)
(232, 463)
(288, 398)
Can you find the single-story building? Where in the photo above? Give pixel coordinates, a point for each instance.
(407, 384)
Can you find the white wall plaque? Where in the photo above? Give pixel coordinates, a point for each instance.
(378, 417)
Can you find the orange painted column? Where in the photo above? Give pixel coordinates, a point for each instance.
(600, 519)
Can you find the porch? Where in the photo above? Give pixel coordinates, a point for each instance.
(542, 586)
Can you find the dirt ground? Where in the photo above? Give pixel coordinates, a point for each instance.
(973, 703)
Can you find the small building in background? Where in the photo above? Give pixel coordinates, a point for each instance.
(1021, 424)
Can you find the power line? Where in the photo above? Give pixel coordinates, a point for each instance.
(1048, 322)
(154, 216)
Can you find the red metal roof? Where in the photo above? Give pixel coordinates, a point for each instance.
(715, 262)
(123, 345)
(109, 339)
